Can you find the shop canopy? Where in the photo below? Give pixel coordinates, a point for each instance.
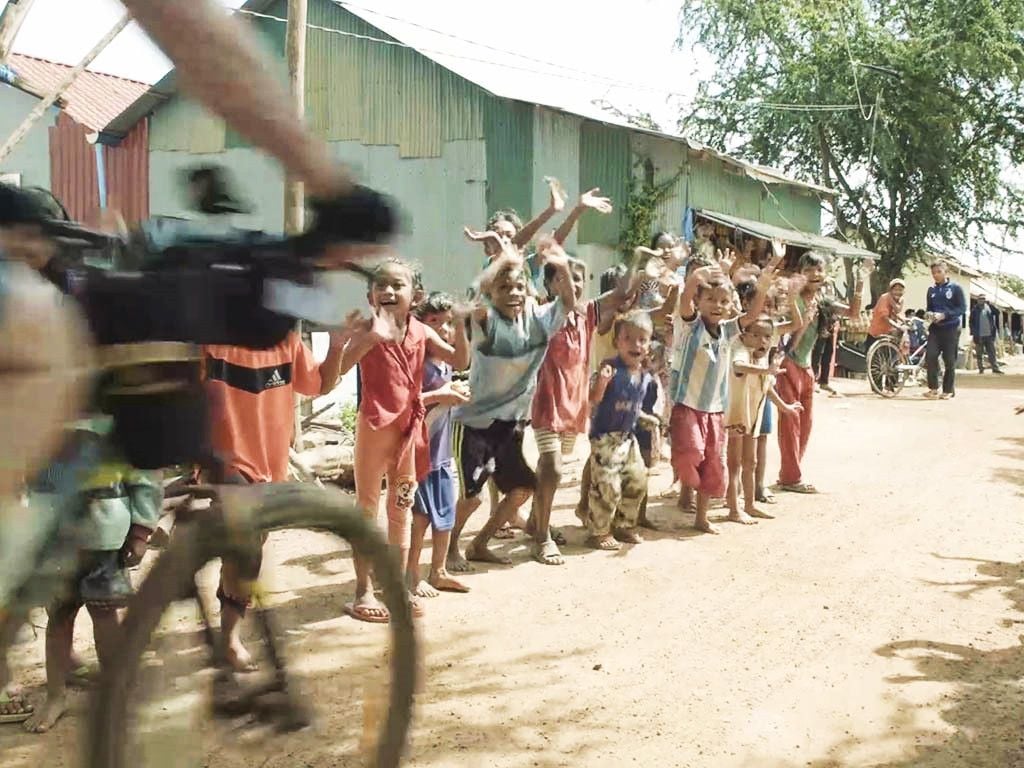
(1000, 297)
(790, 236)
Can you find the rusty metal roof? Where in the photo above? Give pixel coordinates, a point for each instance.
(93, 100)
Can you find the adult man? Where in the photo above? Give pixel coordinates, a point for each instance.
(984, 326)
(946, 309)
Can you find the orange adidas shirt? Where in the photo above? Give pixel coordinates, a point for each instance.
(252, 403)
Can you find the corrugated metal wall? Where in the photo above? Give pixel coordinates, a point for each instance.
(128, 174)
(508, 130)
(556, 152)
(605, 162)
(73, 177)
(73, 170)
(356, 90)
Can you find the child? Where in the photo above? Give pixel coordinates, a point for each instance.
(560, 404)
(796, 380)
(123, 507)
(618, 476)
(435, 496)
(700, 379)
(391, 437)
(648, 434)
(781, 328)
(751, 389)
(507, 343)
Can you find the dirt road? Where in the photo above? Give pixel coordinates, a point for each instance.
(879, 623)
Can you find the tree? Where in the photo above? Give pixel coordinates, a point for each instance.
(922, 117)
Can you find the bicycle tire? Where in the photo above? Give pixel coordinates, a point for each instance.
(883, 361)
(284, 506)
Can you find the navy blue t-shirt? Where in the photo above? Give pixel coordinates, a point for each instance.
(623, 400)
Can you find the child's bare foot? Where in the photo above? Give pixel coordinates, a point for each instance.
(606, 542)
(456, 563)
(628, 536)
(705, 527)
(741, 517)
(505, 532)
(238, 657)
(755, 512)
(444, 582)
(425, 589)
(47, 715)
(483, 554)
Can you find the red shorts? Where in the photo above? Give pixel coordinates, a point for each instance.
(697, 440)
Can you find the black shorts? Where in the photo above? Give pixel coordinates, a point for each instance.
(495, 451)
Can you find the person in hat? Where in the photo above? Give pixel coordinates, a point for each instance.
(984, 328)
(885, 318)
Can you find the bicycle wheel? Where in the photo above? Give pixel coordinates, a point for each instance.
(884, 363)
(285, 506)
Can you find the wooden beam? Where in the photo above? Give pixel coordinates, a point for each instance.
(40, 109)
(11, 19)
(294, 198)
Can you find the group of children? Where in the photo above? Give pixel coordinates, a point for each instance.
(690, 348)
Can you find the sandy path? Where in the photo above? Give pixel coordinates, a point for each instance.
(875, 624)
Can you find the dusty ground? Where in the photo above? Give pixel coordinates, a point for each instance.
(878, 624)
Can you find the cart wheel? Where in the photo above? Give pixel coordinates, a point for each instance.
(884, 363)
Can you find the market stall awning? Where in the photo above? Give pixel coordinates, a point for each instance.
(1000, 297)
(790, 236)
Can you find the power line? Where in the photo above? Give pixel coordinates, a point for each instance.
(588, 79)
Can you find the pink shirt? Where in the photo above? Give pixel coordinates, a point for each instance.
(560, 403)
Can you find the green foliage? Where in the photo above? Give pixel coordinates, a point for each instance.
(935, 120)
(347, 415)
(1012, 283)
(645, 195)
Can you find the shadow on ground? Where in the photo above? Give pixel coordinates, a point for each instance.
(986, 708)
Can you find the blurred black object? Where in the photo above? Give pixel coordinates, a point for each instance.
(211, 191)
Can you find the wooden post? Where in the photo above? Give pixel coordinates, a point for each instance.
(40, 109)
(11, 19)
(294, 199)
(295, 47)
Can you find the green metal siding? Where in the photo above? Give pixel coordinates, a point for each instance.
(604, 162)
(723, 188)
(31, 157)
(508, 131)
(556, 153)
(791, 208)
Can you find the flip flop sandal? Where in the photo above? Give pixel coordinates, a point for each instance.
(604, 545)
(16, 701)
(805, 488)
(82, 676)
(765, 497)
(548, 554)
(505, 532)
(358, 613)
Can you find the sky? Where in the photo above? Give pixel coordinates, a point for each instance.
(624, 53)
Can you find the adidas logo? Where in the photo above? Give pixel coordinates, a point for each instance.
(275, 380)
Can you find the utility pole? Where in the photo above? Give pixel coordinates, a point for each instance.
(294, 199)
(40, 109)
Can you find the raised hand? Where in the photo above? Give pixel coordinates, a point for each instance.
(479, 236)
(550, 251)
(353, 323)
(606, 374)
(591, 199)
(726, 259)
(463, 309)
(778, 249)
(383, 326)
(558, 195)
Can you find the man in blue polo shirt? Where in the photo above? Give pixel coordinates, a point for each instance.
(946, 308)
